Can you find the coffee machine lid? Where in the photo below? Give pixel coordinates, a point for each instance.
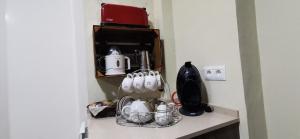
(114, 51)
(188, 64)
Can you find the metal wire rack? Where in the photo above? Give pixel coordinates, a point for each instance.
(152, 119)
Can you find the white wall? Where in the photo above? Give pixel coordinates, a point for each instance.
(81, 57)
(160, 16)
(4, 126)
(206, 33)
(45, 68)
(163, 17)
(278, 35)
(251, 69)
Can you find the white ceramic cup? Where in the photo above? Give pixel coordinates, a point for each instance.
(163, 115)
(138, 82)
(127, 83)
(151, 81)
(138, 112)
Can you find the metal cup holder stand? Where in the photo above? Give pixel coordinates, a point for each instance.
(150, 119)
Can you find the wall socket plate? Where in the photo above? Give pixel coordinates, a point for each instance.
(214, 73)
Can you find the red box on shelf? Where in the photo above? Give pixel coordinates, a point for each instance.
(113, 14)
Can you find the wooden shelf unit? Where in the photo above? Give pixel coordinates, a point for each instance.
(128, 40)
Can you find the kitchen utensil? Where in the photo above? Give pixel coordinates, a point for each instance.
(127, 84)
(138, 112)
(124, 101)
(157, 75)
(145, 63)
(115, 62)
(163, 115)
(188, 86)
(138, 82)
(151, 81)
(135, 60)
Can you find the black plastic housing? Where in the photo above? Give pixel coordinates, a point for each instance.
(188, 86)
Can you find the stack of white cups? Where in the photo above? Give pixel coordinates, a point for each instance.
(141, 82)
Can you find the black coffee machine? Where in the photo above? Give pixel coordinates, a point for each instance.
(189, 90)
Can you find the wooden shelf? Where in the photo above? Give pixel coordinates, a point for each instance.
(128, 40)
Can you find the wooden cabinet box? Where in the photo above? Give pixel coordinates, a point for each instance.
(129, 41)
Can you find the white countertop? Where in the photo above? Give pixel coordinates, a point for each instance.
(107, 128)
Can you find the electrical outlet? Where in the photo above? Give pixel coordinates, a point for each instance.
(214, 73)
